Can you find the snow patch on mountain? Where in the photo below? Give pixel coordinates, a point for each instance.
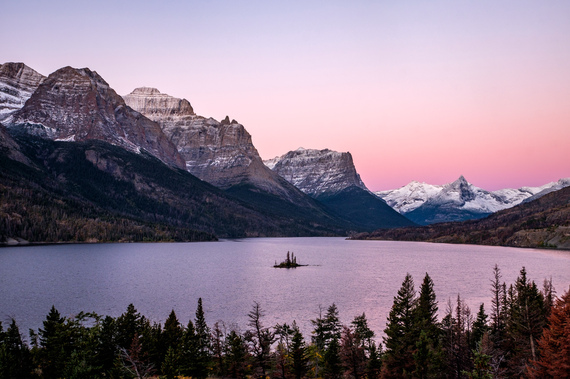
(462, 195)
(317, 172)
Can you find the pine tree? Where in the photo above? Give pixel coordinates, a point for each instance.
(172, 333)
(15, 358)
(54, 343)
(526, 322)
(480, 327)
(399, 340)
(298, 354)
(236, 355)
(203, 342)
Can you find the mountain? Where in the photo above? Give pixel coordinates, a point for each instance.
(409, 197)
(78, 105)
(459, 200)
(89, 191)
(544, 222)
(220, 153)
(317, 172)
(331, 178)
(17, 83)
(79, 164)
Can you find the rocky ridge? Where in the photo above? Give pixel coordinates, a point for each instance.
(317, 172)
(17, 84)
(220, 153)
(78, 105)
(331, 178)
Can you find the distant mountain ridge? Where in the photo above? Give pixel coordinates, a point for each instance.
(460, 200)
(541, 223)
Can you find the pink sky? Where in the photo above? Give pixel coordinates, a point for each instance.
(415, 91)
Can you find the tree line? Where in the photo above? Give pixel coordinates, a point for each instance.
(525, 334)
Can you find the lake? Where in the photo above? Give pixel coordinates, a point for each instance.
(230, 275)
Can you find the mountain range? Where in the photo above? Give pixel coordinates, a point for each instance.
(543, 222)
(145, 161)
(81, 163)
(460, 200)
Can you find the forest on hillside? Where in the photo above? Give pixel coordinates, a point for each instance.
(525, 333)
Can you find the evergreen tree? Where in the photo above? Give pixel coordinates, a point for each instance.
(15, 358)
(399, 340)
(170, 365)
(480, 327)
(332, 367)
(236, 355)
(202, 342)
(54, 345)
(172, 333)
(298, 354)
(526, 322)
(128, 325)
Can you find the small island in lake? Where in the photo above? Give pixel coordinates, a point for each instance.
(289, 262)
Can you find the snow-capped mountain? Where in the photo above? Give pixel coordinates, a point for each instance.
(330, 177)
(78, 105)
(220, 153)
(17, 84)
(460, 200)
(317, 172)
(409, 197)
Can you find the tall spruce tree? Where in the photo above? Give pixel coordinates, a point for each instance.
(298, 354)
(400, 339)
(55, 345)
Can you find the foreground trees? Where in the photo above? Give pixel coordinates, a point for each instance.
(526, 335)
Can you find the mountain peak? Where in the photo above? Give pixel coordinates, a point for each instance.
(78, 105)
(145, 91)
(317, 172)
(154, 104)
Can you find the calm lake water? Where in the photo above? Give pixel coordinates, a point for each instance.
(230, 275)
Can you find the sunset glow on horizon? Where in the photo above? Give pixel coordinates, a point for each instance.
(413, 90)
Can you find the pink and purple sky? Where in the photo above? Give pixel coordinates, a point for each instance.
(415, 90)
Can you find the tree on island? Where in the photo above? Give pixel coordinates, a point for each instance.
(289, 262)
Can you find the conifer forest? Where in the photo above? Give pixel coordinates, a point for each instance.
(524, 332)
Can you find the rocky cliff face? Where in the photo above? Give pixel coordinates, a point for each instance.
(220, 153)
(331, 178)
(317, 172)
(78, 105)
(17, 84)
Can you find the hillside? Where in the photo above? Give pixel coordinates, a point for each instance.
(544, 222)
(93, 192)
